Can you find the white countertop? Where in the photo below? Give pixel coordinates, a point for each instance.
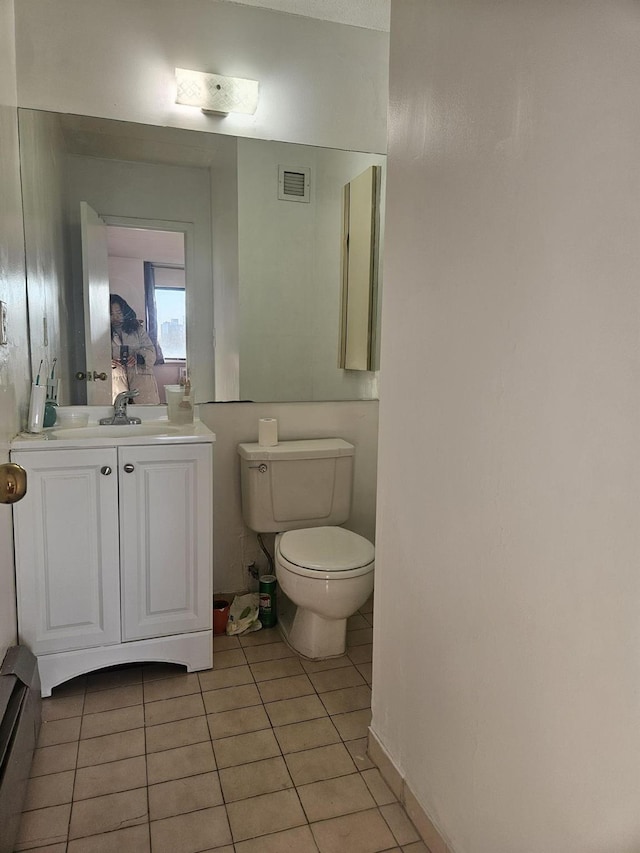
(154, 429)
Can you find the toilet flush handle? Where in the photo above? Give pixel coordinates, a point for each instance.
(262, 467)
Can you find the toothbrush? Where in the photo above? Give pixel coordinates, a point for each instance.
(39, 369)
(185, 403)
(52, 390)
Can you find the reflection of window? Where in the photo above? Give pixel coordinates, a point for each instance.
(170, 307)
(165, 301)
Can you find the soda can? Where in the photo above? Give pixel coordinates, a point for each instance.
(267, 601)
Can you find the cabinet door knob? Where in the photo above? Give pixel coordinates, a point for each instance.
(102, 376)
(106, 470)
(128, 467)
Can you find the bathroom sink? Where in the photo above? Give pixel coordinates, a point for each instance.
(111, 431)
(155, 430)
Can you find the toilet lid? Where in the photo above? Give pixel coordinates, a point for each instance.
(326, 549)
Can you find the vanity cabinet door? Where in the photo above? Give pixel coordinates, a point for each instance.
(165, 528)
(67, 550)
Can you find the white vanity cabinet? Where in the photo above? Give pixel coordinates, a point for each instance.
(165, 540)
(68, 550)
(113, 557)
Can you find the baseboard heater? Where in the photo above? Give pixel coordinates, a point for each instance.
(20, 711)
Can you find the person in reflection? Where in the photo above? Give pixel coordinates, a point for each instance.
(132, 354)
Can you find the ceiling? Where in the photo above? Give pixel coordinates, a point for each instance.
(371, 14)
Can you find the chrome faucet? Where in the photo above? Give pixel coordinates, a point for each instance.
(120, 416)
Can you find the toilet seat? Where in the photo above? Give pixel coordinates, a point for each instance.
(325, 552)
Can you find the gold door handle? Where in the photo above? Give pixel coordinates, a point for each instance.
(13, 483)
(91, 377)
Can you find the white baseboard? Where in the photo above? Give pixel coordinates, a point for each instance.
(194, 650)
(396, 781)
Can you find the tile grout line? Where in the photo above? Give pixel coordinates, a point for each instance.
(75, 768)
(282, 756)
(357, 771)
(146, 762)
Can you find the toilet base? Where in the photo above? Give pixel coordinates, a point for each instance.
(311, 636)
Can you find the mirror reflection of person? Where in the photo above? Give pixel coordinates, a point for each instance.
(132, 354)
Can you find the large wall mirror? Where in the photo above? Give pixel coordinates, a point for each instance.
(230, 259)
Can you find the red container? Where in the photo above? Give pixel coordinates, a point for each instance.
(220, 615)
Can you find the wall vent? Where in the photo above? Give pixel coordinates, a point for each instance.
(293, 184)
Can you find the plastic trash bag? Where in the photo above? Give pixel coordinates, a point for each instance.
(243, 614)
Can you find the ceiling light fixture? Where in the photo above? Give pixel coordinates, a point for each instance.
(216, 94)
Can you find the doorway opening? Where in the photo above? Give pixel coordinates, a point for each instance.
(147, 269)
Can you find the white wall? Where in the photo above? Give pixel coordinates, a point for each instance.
(321, 83)
(46, 240)
(8, 624)
(14, 367)
(507, 625)
(290, 275)
(129, 248)
(14, 360)
(224, 213)
(126, 278)
(234, 545)
(359, 13)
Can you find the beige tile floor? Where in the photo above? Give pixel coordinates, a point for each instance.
(265, 752)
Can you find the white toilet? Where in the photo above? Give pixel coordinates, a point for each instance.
(301, 490)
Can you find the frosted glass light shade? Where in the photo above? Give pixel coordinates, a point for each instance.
(214, 93)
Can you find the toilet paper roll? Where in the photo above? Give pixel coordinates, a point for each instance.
(267, 432)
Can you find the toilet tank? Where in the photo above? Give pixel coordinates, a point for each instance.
(296, 484)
